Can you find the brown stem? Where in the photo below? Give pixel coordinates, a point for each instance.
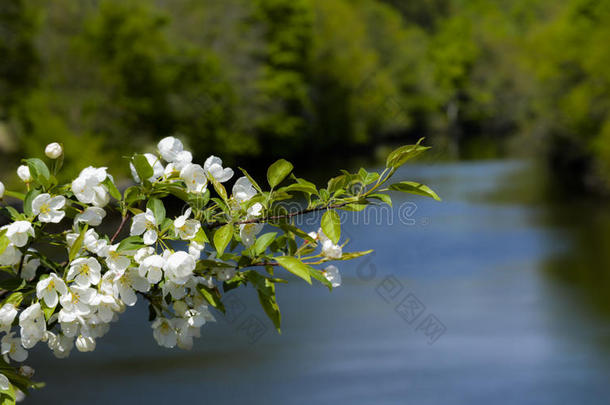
(284, 216)
(261, 264)
(120, 228)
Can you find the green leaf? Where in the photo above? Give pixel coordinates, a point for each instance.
(14, 194)
(204, 264)
(133, 194)
(331, 225)
(278, 172)
(131, 243)
(399, 156)
(336, 183)
(48, 311)
(114, 192)
(354, 207)
(415, 188)
(295, 266)
(212, 296)
(15, 299)
(13, 212)
(268, 301)
(39, 171)
(7, 397)
(4, 242)
(318, 275)
(201, 237)
(304, 188)
(220, 189)
(157, 208)
(222, 237)
(382, 197)
(254, 183)
(370, 178)
(143, 168)
(289, 228)
(354, 255)
(27, 202)
(78, 243)
(263, 242)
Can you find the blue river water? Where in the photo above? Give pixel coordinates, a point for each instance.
(460, 304)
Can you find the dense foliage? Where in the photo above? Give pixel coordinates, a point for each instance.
(63, 281)
(256, 78)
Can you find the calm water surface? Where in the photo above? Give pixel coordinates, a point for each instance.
(519, 285)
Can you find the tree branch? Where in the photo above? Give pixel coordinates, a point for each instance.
(273, 218)
(120, 228)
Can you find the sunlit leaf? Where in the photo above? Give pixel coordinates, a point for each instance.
(278, 172)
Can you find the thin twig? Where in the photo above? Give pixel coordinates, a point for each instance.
(120, 228)
(273, 218)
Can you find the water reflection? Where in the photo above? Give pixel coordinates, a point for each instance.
(508, 273)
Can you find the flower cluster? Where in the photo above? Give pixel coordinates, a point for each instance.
(178, 264)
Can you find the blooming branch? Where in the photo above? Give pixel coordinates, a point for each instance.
(69, 300)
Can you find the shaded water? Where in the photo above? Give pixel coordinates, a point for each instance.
(519, 285)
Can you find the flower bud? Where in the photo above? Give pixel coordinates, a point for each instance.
(1, 189)
(24, 173)
(53, 150)
(26, 371)
(85, 344)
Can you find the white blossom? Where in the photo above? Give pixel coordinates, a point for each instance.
(24, 174)
(243, 190)
(145, 223)
(53, 150)
(107, 306)
(8, 312)
(179, 267)
(85, 271)
(195, 249)
(85, 343)
(156, 165)
(177, 291)
(60, 344)
(169, 148)
(164, 332)
(26, 371)
(88, 187)
(332, 274)
(48, 289)
(194, 176)
(213, 167)
(129, 281)
(91, 242)
(2, 189)
(5, 385)
(186, 228)
(92, 216)
(78, 302)
(115, 260)
(143, 253)
(32, 324)
(11, 347)
(49, 209)
(330, 250)
(18, 232)
(152, 268)
(185, 333)
(10, 256)
(248, 232)
(30, 265)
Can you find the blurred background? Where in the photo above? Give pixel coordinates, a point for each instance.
(514, 97)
